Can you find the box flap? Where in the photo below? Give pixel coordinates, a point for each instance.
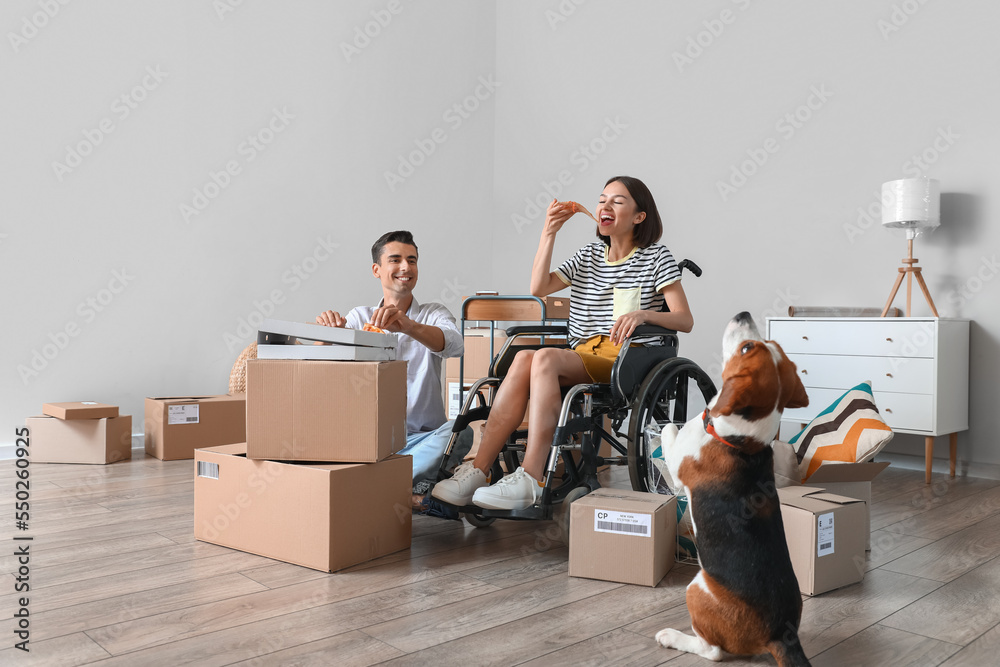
(834, 498)
(180, 399)
(235, 449)
(626, 499)
(812, 499)
(795, 492)
(831, 471)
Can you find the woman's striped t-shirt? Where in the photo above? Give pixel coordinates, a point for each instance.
(602, 291)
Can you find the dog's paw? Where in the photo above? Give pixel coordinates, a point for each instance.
(668, 435)
(667, 637)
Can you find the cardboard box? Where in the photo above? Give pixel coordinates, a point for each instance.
(556, 307)
(177, 426)
(825, 536)
(55, 440)
(477, 354)
(80, 410)
(622, 535)
(323, 516)
(853, 480)
(330, 411)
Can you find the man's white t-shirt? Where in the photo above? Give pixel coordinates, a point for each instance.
(424, 400)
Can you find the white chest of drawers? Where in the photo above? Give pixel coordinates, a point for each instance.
(919, 368)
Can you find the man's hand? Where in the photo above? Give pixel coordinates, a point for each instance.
(331, 318)
(391, 318)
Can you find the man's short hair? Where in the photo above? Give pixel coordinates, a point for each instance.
(391, 237)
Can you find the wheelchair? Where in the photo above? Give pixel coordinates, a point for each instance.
(649, 383)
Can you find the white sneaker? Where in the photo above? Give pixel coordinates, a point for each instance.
(516, 491)
(459, 488)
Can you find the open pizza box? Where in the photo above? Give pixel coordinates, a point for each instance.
(278, 339)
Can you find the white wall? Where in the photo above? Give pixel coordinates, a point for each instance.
(191, 280)
(790, 234)
(605, 77)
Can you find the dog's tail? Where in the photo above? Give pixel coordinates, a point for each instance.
(788, 652)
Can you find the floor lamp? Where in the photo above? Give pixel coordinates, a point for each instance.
(913, 204)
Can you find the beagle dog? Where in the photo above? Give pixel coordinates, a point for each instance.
(745, 600)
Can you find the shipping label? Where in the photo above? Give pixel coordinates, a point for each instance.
(824, 532)
(623, 523)
(183, 414)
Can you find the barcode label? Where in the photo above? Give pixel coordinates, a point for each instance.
(825, 534)
(623, 523)
(208, 469)
(183, 414)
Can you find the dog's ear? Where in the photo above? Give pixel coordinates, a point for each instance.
(793, 393)
(732, 397)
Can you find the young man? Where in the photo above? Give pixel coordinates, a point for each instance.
(427, 335)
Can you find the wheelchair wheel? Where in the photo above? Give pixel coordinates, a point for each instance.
(675, 390)
(479, 521)
(567, 504)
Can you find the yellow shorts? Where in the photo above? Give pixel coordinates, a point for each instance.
(598, 354)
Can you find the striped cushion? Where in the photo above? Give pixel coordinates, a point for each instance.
(851, 430)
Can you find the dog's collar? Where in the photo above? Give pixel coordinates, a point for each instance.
(710, 429)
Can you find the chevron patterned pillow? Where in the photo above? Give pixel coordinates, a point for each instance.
(851, 430)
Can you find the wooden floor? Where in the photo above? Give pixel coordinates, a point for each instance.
(118, 579)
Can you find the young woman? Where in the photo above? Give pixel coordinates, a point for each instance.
(616, 284)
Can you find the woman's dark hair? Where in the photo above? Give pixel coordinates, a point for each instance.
(649, 231)
(386, 239)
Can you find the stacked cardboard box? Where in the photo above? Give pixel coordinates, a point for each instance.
(81, 432)
(317, 482)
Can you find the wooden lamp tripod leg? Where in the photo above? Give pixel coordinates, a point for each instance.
(892, 295)
(927, 294)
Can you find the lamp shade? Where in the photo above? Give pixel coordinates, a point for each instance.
(911, 203)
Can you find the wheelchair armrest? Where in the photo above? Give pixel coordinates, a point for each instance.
(538, 330)
(646, 330)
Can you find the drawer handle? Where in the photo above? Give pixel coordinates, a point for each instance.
(888, 340)
(888, 375)
(889, 410)
(805, 338)
(805, 372)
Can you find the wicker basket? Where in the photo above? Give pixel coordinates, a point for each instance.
(238, 376)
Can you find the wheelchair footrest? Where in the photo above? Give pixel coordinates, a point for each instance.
(529, 513)
(612, 461)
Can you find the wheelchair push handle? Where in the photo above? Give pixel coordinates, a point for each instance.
(690, 266)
